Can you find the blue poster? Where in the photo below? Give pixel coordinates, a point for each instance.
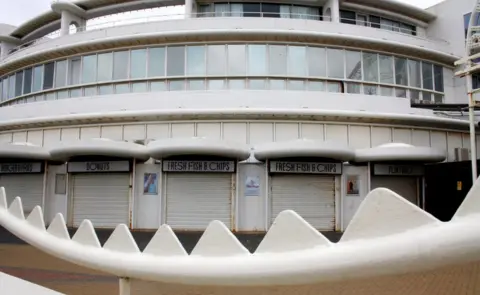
(150, 184)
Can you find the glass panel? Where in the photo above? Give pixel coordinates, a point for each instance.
(51, 96)
(277, 59)
(386, 69)
(122, 88)
(120, 65)
(251, 9)
(415, 73)
(156, 62)
(90, 91)
(370, 66)
(5, 89)
(177, 85)
(317, 65)
(216, 84)
(438, 98)
(257, 57)
(105, 67)
(18, 83)
(335, 63)
(370, 89)
(354, 65)
(427, 73)
(415, 94)
(77, 92)
(37, 78)
(11, 86)
(105, 90)
(196, 85)
(74, 71)
(196, 60)
(438, 76)
(353, 88)
(401, 76)
(216, 58)
(158, 86)
(297, 61)
(27, 83)
(296, 85)
(236, 84)
(270, 10)
(386, 91)
(426, 96)
(334, 87)
(39, 97)
(1, 91)
(316, 86)
(175, 61)
(49, 70)
(89, 68)
(138, 63)
(62, 94)
(256, 84)
(139, 87)
(400, 92)
(347, 17)
(60, 73)
(237, 62)
(277, 84)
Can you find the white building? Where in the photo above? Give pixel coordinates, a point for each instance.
(233, 111)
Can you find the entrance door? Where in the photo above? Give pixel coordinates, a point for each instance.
(406, 187)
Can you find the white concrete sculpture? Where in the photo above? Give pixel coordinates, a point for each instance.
(387, 236)
(12, 285)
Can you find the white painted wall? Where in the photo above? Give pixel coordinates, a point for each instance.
(350, 203)
(147, 208)
(55, 203)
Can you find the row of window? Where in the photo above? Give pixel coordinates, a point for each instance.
(361, 19)
(234, 84)
(225, 60)
(259, 10)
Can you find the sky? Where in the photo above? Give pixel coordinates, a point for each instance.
(15, 12)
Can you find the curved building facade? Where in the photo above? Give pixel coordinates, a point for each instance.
(232, 111)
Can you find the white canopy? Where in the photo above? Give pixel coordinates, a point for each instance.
(400, 152)
(23, 150)
(99, 147)
(304, 148)
(198, 146)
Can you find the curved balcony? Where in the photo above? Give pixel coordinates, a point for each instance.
(164, 29)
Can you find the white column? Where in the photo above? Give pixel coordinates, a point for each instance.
(68, 19)
(124, 286)
(188, 8)
(332, 10)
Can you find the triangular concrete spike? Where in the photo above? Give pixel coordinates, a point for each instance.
(36, 218)
(218, 240)
(58, 227)
(3, 198)
(471, 203)
(166, 243)
(16, 208)
(86, 235)
(121, 240)
(290, 232)
(382, 213)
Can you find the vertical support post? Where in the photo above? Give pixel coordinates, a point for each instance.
(471, 117)
(45, 184)
(124, 286)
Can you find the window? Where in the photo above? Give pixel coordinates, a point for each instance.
(336, 66)
(277, 84)
(236, 84)
(386, 69)
(270, 10)
(77, 92)
(316, 86)
(386, 91)
(354, 65)
(370, 89)
(60, 73)
(466, 22)
(177, 85)
(196, 85)
(374, 21)
(370, 67)
(37, 78)
(105, 90)
(196, 60)
(158, 86)
(317, 65)
(105, 67)
(175, 61)
(401, 76)
(89, 91)
(74, 71)
(18, 83)
(251, 10)
(296, 85)
(156, 62)
(62, 94)
(49, 72)
(122, 88)
(256, 84)
(427, 74)
(438, 78)
(236, 60)
(257, 57)
(89, 68)
(415, 73)
(138, 63)
(348, 17)
(139, 87)
(277, 59)
(11, 86)
(60, 184)
(216, 84)
(5, 88)
(353, 88)
(334, 87)
(297, 61)
(216, 59)
(120, 65)
(27, 82)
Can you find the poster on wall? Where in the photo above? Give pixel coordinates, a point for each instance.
(252, 186)
(150, 183)
(352, 185)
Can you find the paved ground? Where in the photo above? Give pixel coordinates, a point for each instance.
(28, 263)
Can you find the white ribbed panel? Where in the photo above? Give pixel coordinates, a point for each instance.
(27, 186)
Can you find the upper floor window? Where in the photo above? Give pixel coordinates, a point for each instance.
(259, 10)
(466, 22)
(356, 18)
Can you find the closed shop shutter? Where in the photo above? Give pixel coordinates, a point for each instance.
(311, 196)
(404, 186)
(103, 198)
(195, 199)
(29, 187)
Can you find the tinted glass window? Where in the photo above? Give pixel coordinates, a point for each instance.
(427, 73)
(277, 59)
(217, 58)
(74, 71)
(27, 84)
(354, 65)
(251, 9)
(105, 67)
(438, 77)
(317, 65)
(138, 64)
(89, 69)
(415, 73)
(48, 75)
(18, 83)
(257, 57)
(370, 66)
(60, 73)
(156, 62)
(175, 61)
(37, 78)
(196, 60)
(336, 63)
(348, 17)
(120, 65)
(297, 60)
(237, 62)
(401, 77)
(270, 10)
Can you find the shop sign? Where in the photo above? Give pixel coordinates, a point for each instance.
(198, 166)
(398, 170)
(305, 167)
(13, 168)
(99, 166)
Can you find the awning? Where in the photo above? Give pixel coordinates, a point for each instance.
(98, 147)
(394, 152)
(198, 146)
(304, 148)
(23, 150)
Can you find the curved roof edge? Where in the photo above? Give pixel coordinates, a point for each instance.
(304, 148)
(23, 150)
(198, 146)
(400, 152)
(98, 147)
(172, 114)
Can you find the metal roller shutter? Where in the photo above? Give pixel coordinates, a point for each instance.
(27, 186)
(404, 186)
(311, 196)
(195, 199)
(103, 198)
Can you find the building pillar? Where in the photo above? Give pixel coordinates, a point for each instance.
(68, 19)
(189, 8)
(331, 11)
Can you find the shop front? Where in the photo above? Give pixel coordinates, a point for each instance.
(100, 180)
(304, 176)
(199, 177)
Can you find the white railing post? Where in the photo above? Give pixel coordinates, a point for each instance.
(124, 286)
